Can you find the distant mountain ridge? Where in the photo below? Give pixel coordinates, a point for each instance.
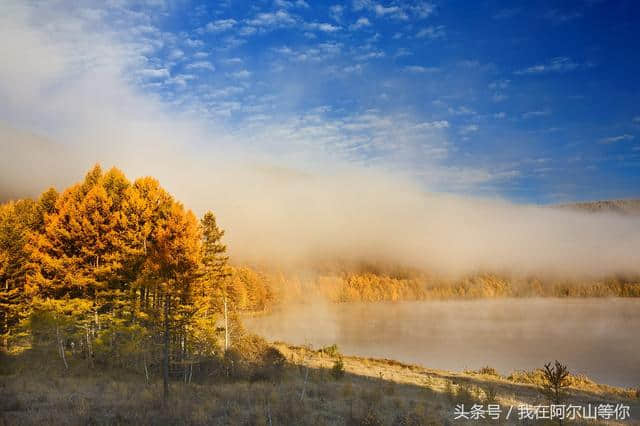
(625, 206)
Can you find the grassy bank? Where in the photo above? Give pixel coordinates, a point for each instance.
(311, 388)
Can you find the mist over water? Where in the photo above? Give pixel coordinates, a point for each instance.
(596, 337)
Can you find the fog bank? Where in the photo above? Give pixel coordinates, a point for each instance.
(69, 102)
(290, 217)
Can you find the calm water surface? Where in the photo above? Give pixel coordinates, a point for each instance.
(597, 337)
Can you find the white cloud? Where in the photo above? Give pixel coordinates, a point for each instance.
(559, 64)
(403, 51)
(461, 110)
(272, 19)
(325, 27)
(175, 54)
(499, 84)
(361, 4)
(336, 11)
(242, 74)
(371, 55)
(181, 79)
(614, 139)
(559, 17)
(469, 128)
(419, 69)
(441, 124)
(225, 92)
(356, 68)
(392, 11)
(636, 119)
(360, 23)
(283, 3)
(317, 53)
(154, 73)
(423, 9)
(432, 32)
(288, 4)
(191, 42)
(398, 10)
(220, 25)
(201, 65)
(232, 61)
(499, 97)
(247, 30)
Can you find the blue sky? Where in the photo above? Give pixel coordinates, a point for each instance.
(531, 101)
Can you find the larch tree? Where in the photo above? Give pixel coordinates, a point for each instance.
(17, 219)
(173, 255)
(116, 271)
(214, 283)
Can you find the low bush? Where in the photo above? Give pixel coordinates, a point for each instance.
(337, 371)
(331, 351)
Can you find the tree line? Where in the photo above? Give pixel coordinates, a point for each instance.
(111, 270)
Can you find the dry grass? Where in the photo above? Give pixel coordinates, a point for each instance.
(371, 392)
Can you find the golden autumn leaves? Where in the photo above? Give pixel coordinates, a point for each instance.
(106, 233)
(119, 251)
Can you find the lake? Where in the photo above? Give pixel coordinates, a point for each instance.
(597, 337)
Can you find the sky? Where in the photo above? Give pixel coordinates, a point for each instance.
(431, 135)
(530, 101)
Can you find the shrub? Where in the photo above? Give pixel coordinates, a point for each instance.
(272, 366)
(556, 381)
(489, 371)
(337, 371)
(466, 395)
(331, 351)
(490, 393)
(233, 364)
(534, 377)
(450, 391)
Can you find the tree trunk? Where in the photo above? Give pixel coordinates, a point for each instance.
(304, 384)
(5, 331)
(226, 324)
(165, 351)
(89, 349)
(61, 348)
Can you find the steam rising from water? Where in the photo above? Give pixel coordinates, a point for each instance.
(593, 338)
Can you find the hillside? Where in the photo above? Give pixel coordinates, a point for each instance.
(626, 207)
